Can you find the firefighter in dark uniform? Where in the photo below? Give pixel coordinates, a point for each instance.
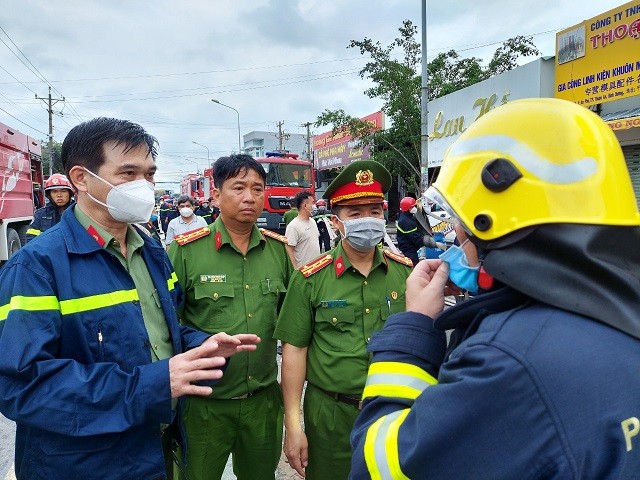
(409, 235)
(332, 307)
(321, 220)
(543, 383)
(167, 213)
(59, 192)
(204, 211)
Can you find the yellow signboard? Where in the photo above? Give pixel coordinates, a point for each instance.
(624, 123)
(598, 60)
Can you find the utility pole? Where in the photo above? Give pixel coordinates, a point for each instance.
(281, 136)
(424, 99)
(308, 125)
(50, 103)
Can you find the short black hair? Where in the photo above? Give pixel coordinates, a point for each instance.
(186, 198)
(229, 167)
(300, 198)
(83, 145)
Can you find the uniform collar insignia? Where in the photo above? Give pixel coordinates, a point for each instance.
(339, 266)
(96, 236)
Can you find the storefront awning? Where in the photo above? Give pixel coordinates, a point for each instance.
(624, 119)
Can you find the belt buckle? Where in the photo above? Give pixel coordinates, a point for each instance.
(359, 404)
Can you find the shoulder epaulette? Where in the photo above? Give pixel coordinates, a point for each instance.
(275, 235)
(316, 265)
(188, 237)
(399, 258)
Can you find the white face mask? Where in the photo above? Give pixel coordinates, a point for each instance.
(130, 202)
(413, 210)
(186, 212)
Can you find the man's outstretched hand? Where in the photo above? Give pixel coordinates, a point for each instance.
(203, 363)
(231, 344)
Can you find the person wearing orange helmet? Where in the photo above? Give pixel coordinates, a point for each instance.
(59, 192)
(409, 235)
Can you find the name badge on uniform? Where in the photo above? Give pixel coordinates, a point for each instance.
(333, 303)
(213, 278)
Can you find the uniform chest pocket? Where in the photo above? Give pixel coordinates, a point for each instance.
(336, 329)
(219, 298)
(271, 290)
(393, 306)
(214, 291)
(272, 285)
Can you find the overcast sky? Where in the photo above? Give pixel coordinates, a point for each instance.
(159, 63)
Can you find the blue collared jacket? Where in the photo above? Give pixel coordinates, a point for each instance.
(75, 364)
(531, 392)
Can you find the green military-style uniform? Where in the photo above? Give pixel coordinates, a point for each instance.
(333, 310)
(289, 215)
(226, 291)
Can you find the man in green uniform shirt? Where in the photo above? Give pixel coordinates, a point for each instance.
(233, 276)
(332, 307)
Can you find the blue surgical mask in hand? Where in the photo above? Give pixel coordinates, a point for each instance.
(460, 273)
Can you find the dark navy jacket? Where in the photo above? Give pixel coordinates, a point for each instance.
(44, 218)
(534, 392)
(75, 364)
(409, 236)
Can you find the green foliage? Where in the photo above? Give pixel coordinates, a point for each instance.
(57, 157)
(397, 82)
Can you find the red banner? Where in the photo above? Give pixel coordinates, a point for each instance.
(337, 150)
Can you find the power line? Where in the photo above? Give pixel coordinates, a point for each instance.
(460, 48)
(15, 78)
(17, 119)
(346, 71)
(37, 72)
(26, 112)
(216, 91)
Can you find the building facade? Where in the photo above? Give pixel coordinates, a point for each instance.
(258, 143)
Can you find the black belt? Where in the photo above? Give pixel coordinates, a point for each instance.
(341, 397)
(249, 394)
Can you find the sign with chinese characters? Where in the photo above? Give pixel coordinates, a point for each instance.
(598, 60)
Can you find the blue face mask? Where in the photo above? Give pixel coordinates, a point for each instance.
(460, 272)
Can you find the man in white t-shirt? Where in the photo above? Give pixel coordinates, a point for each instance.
(302, 232)
(187, 220)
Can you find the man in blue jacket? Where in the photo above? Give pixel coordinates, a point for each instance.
(93, 362)
(541, 378)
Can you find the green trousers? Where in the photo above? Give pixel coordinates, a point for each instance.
(328, 424)
(250, 429)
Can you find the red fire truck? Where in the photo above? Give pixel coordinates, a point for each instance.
(21, 183)
(286, 176)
